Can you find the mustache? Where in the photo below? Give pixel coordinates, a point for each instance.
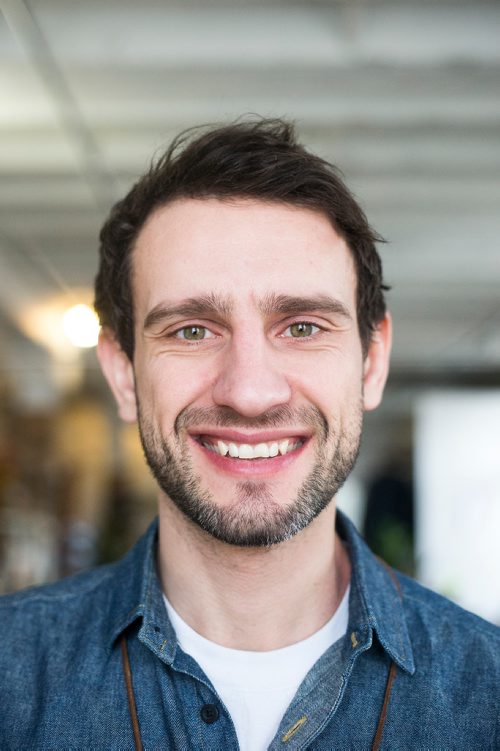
(278, 417)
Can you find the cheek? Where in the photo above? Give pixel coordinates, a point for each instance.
(170, 384)
(330, 382)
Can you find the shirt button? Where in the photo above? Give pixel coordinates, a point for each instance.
(209, 713)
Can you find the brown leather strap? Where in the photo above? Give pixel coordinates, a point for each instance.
(130, 694)
(392, 670)
(381, 722)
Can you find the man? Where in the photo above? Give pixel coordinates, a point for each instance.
(244, 328)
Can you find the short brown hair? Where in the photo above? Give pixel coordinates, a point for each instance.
(249, 159)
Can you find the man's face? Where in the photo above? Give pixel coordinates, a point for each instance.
(248, 365)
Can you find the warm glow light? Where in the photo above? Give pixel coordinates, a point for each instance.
(81, 326)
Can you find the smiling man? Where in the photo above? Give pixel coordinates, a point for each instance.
(245, 330)
(248, 378)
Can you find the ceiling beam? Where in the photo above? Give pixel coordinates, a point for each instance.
(30, 38)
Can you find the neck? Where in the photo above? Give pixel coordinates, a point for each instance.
(255, 599)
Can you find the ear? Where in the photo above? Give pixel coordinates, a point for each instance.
(376, 365)
(119, 373)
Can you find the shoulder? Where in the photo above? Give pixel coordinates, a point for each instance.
(89, 605)
(440, 612)
(441, 631)
(71, 587)
(23, 614)
(51, 632)
(55, 649)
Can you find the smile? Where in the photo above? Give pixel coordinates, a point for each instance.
(261, 450)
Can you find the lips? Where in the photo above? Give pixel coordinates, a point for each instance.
(250, 451)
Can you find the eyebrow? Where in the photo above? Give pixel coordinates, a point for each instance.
(271, 304)
(192, 307)
(295, 304)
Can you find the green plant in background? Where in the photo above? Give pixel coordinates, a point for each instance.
(393, 541)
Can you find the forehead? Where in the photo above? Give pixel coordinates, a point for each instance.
(240, 249)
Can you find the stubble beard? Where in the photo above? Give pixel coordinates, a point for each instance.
(254, 518)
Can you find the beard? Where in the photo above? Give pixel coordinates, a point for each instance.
(253, 518)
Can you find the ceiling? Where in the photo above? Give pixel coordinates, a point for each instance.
(403, 96)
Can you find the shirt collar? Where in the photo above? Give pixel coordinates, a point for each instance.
(137, 598)
(375, 602)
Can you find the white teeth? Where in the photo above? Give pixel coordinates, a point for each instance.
(261, 450)
(283, 446)
(223, 448)
(247, 451)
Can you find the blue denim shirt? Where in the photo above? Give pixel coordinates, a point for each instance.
(62, 680)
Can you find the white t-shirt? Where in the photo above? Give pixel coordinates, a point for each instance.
(257, 687)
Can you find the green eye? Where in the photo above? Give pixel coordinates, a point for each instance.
(193, 333)
(302, 329)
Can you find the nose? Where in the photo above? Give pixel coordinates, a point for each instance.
(249, 380)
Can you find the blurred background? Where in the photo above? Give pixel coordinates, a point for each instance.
(403, 96)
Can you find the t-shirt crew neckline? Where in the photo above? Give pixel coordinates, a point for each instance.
(280, 666)
(258, 687)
